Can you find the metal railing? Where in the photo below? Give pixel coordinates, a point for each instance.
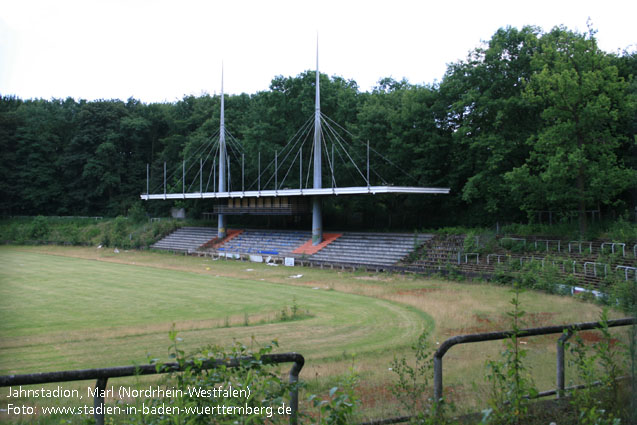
(612, 247)
(591, 263)
(498, 256)
(523, 240)
(626, 269)
(467, 254)
(579, 245)
(102, 376)
(547, 242)
(565, 330)
(530, 259)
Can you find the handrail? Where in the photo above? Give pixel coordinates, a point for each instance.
(612, 247)
(594, 264)
(498, 256)
(493, 336)
(513, 239)
(103, 374)
(559, 243)
(467, 254)
(579, 243)
(626, 268)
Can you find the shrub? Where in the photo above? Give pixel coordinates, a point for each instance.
(39, 228)
(265, 391)
(412, 386)
(597, 404)
(625, 292)
(119, 232)
(339, 407)
(511, 385)
(253, 373)
(480, 240)
(622, 230)
(137, 213)
(73, 235)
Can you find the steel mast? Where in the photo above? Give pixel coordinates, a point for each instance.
(317, 220)
(221, 227)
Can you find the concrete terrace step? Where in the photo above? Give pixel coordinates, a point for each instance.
(265, 242)
(367, 242)
(363, 251)
(186, 238)
(370, 248)
(355, 260)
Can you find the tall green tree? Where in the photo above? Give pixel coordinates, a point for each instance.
(9, 157)
(574, 163)
(43, 132)
(490, 120)
(95, 158)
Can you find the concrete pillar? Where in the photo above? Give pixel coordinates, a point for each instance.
(221, 227)
(317, 221)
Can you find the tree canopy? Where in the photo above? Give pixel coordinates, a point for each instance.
(530, 121)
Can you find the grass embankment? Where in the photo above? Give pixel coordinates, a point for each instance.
(67, 308)
(122, 232)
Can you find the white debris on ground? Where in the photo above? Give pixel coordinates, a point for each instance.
(295, 276)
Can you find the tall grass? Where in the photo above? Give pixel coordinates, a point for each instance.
(118, 232)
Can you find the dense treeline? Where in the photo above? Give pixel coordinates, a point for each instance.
(532, 121)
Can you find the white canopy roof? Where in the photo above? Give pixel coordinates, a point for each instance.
(361, 190)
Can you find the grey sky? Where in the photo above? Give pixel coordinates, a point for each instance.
(157, 50)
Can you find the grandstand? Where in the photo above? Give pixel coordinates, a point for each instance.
(283, 198)
(375, 249)
(587, 263)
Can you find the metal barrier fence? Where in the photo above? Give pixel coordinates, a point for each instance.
(102, 376)
(565, 330)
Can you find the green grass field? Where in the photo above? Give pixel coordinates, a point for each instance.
(65, 313)
(69, 308)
